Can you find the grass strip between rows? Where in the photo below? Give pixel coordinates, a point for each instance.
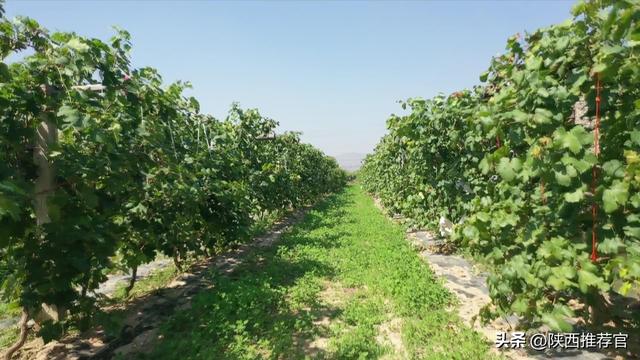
(342, 284)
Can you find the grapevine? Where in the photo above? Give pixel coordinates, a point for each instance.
(521, 166)
(98, 158)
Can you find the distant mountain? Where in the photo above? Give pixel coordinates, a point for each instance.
(350, 161)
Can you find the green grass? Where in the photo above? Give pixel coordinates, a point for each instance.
(8, 310)
(8, 336)
(342, 284)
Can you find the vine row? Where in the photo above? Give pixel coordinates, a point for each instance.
(538, 167)
(99, 161)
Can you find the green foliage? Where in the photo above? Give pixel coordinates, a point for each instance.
(510, 163)
(138, 169)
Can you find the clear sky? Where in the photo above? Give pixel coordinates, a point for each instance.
(333, 70)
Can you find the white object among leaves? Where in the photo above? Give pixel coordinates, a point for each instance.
(446, 227)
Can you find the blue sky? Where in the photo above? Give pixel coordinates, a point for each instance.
(333, 70)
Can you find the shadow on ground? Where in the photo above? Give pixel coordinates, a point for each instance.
(267, 305)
